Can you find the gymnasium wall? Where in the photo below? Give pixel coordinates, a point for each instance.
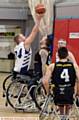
(67, 29)
(67, 26)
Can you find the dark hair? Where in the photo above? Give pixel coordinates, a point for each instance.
(47, 42)
(16, 39)
(50, 40)
(62, 52)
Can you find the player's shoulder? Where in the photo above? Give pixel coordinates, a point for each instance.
(43, 51)
(75, 66)
(70, 53)
(19, 46)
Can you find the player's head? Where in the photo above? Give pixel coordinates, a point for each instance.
(19, 38)
(62, 43)
(62, 52)
(43, 41)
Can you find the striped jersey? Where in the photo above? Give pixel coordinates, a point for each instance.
(23, 59)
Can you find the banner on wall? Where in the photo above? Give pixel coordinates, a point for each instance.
(74, 35)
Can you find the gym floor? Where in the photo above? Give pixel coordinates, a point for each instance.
(8, 111)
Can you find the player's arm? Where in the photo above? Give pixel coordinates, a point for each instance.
(72, 58)
(33, 33)
(77, 75)
(77, 71)
(46, 78)
(44, 54)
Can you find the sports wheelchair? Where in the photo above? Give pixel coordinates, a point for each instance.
(50, 111)
(11, 78)
(20, 93)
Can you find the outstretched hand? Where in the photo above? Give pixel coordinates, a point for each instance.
(39, 17)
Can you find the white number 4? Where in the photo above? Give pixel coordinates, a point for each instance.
(65, 75)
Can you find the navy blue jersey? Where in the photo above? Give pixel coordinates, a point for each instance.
(64, 74)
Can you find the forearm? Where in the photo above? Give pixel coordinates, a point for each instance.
(46, 79)
(43, 69)
(32, 36)
(44, 66)
(36, 27)
(77, 88)
(34, 31)
(46, 85)
(44, 55)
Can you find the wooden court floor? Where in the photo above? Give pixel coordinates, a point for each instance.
(7, 113)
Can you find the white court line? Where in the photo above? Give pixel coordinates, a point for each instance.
(19, 118)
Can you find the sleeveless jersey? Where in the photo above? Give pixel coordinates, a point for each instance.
(38, 57)
(23, 59)
(64, 74)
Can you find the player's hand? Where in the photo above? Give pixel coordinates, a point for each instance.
(39, 17)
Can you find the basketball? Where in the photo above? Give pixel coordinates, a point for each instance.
(40, 9)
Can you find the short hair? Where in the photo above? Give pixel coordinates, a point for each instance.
(62, 52)
(16, 38)
(47, 42)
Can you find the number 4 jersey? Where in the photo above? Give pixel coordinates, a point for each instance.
(64, 74)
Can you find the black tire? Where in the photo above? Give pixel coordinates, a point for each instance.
(6, 82)
(12, 93)
(39, 96)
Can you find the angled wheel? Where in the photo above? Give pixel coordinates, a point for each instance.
(16, 92)
(40, 95)
(6, 82)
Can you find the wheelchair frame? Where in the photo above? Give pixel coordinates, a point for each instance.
(53, 111)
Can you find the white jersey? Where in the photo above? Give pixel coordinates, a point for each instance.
(23, 59)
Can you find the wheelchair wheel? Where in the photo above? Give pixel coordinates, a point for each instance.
(6, 82)
(40, 95)
(16, 92)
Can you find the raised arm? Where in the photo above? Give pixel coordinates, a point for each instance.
(34, 31)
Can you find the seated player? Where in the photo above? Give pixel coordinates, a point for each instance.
(42, 56)
(63, 74)
(23, 51)
(63, 43)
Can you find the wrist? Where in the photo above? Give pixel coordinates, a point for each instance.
(37, 23)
